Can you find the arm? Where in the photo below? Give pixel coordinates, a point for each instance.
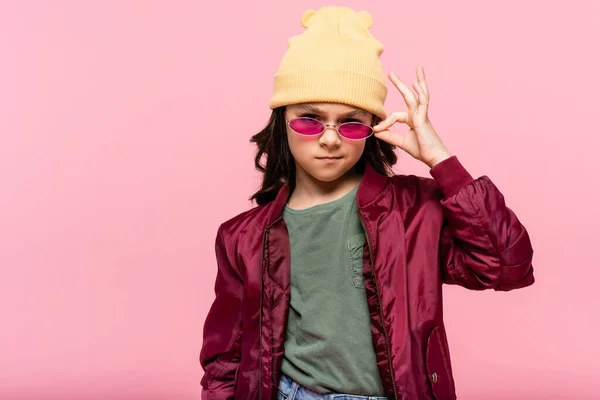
(220, 353)
(483, 245)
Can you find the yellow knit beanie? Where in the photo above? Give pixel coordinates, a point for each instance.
(336, 59)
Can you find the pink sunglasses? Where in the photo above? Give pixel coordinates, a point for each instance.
(313, 127)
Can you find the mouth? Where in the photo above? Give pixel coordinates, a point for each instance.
(329, 160)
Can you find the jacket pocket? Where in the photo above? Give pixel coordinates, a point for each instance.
(355, 247)
(438, 366)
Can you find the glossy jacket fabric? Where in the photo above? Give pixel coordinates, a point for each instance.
(420, 233)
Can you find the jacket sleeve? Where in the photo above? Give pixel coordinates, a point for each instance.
(220, 353)
(483, 245)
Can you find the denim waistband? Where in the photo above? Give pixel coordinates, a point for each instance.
(292, 390)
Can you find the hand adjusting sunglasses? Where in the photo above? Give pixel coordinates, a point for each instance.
(313, 127)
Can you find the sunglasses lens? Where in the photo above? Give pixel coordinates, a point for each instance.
(354, 130)
(306, 126)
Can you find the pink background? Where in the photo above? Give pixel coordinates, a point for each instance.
(125, 128)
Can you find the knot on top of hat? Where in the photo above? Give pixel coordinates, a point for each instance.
(363, 17)
(306, 16)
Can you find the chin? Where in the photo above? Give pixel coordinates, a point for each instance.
(328, 174)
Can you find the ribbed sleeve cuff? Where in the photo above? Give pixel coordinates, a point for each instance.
(451, 175)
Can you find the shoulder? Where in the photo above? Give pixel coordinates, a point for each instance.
(448, 178)
(241, 231)
(416, 199)
(248, 222)
(415, 189)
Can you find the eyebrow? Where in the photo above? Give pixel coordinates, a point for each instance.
(318, 111)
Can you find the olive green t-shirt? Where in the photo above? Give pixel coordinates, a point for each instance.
(328, 346)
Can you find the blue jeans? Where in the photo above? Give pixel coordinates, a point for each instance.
(292, 390)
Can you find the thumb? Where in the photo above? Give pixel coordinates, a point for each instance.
(398, 116)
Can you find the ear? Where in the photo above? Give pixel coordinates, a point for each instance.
(306, 16)
(365, 18)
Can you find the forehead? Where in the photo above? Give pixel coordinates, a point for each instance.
(327, 109)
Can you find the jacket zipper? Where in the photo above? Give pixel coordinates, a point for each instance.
(387, 341)
(262, 293)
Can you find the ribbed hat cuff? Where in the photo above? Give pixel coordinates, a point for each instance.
(339, 86)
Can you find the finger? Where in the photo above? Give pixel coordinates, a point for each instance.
(390, 137)
(397, 116)
(407, 142)
(422, 80)
(422, 99)
(404, 90)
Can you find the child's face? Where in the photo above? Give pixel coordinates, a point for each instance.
(309, 150)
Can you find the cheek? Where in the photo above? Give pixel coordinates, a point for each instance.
(355, 150)
(299, 145)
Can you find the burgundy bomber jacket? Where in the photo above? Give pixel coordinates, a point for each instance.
(420, 233)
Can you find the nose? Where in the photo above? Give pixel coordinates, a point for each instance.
(329, 137)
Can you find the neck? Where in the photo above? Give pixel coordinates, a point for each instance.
(310, 191)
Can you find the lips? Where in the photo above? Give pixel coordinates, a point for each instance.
(328, 158)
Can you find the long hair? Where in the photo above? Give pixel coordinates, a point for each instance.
(280, 169)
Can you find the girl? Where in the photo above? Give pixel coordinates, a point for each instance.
(330, 288)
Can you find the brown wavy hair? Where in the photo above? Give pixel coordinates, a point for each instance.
(280, 168)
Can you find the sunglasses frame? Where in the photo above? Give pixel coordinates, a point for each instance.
(336, 126)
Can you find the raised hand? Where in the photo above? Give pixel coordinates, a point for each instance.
(421, 141)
